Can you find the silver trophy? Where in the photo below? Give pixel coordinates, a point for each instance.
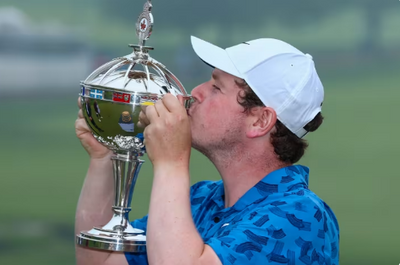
(111, 102)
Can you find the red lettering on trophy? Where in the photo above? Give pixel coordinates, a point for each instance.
(148, 98)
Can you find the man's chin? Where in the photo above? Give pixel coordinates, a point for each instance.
(200, 147)
(196, 146)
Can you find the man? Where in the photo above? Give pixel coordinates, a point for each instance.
(249, 120)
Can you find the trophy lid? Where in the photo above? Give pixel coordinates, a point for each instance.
(137, 72)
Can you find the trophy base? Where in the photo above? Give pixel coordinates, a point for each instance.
(101, 239)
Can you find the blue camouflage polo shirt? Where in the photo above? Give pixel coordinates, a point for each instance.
(278, 221)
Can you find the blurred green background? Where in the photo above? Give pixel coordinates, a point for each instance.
(47, 47)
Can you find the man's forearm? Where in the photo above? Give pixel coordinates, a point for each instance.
(94, 206)
(172, 237)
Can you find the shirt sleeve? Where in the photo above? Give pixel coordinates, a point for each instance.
(138, 258)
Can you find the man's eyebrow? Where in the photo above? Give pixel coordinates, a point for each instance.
(218, 80)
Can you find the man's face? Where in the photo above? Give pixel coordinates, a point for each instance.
(217, 119)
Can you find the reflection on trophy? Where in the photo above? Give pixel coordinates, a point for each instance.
(118, 89)
(126, 122)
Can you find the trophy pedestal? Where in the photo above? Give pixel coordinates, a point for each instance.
(117, 235)
(98, 238)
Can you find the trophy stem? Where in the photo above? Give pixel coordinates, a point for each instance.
(126, 170)
(118, 234)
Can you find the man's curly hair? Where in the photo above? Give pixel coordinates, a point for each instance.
(287, 146)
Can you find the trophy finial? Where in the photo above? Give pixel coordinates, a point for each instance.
(144, 24)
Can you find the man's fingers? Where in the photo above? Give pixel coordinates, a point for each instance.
(181, 100)
(140, 125)
(172, 103)
(79, 102)
(151, 113)
(143, 119)
(143, 107)
(80, 114)
(160, 108)
(81, 126)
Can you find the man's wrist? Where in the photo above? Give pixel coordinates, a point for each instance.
(101, 160)
(174, 169)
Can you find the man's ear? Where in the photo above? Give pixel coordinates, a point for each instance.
(261, 120)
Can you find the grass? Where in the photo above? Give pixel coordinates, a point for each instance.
(353, 161)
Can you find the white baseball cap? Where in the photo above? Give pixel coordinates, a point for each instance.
(283, 77)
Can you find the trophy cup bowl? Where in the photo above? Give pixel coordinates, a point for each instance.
(111, 99)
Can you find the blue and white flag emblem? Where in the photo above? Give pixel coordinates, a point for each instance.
(96, 93)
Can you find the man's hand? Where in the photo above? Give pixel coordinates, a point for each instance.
(168, 135)
(95, 149)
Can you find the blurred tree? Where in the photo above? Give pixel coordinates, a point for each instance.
(228, 14)
(224, 13)
(373, 14)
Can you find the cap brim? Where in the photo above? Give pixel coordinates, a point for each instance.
(214, 56)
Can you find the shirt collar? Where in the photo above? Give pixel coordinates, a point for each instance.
(279, 181)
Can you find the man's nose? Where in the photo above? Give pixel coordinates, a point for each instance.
(198, 93)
